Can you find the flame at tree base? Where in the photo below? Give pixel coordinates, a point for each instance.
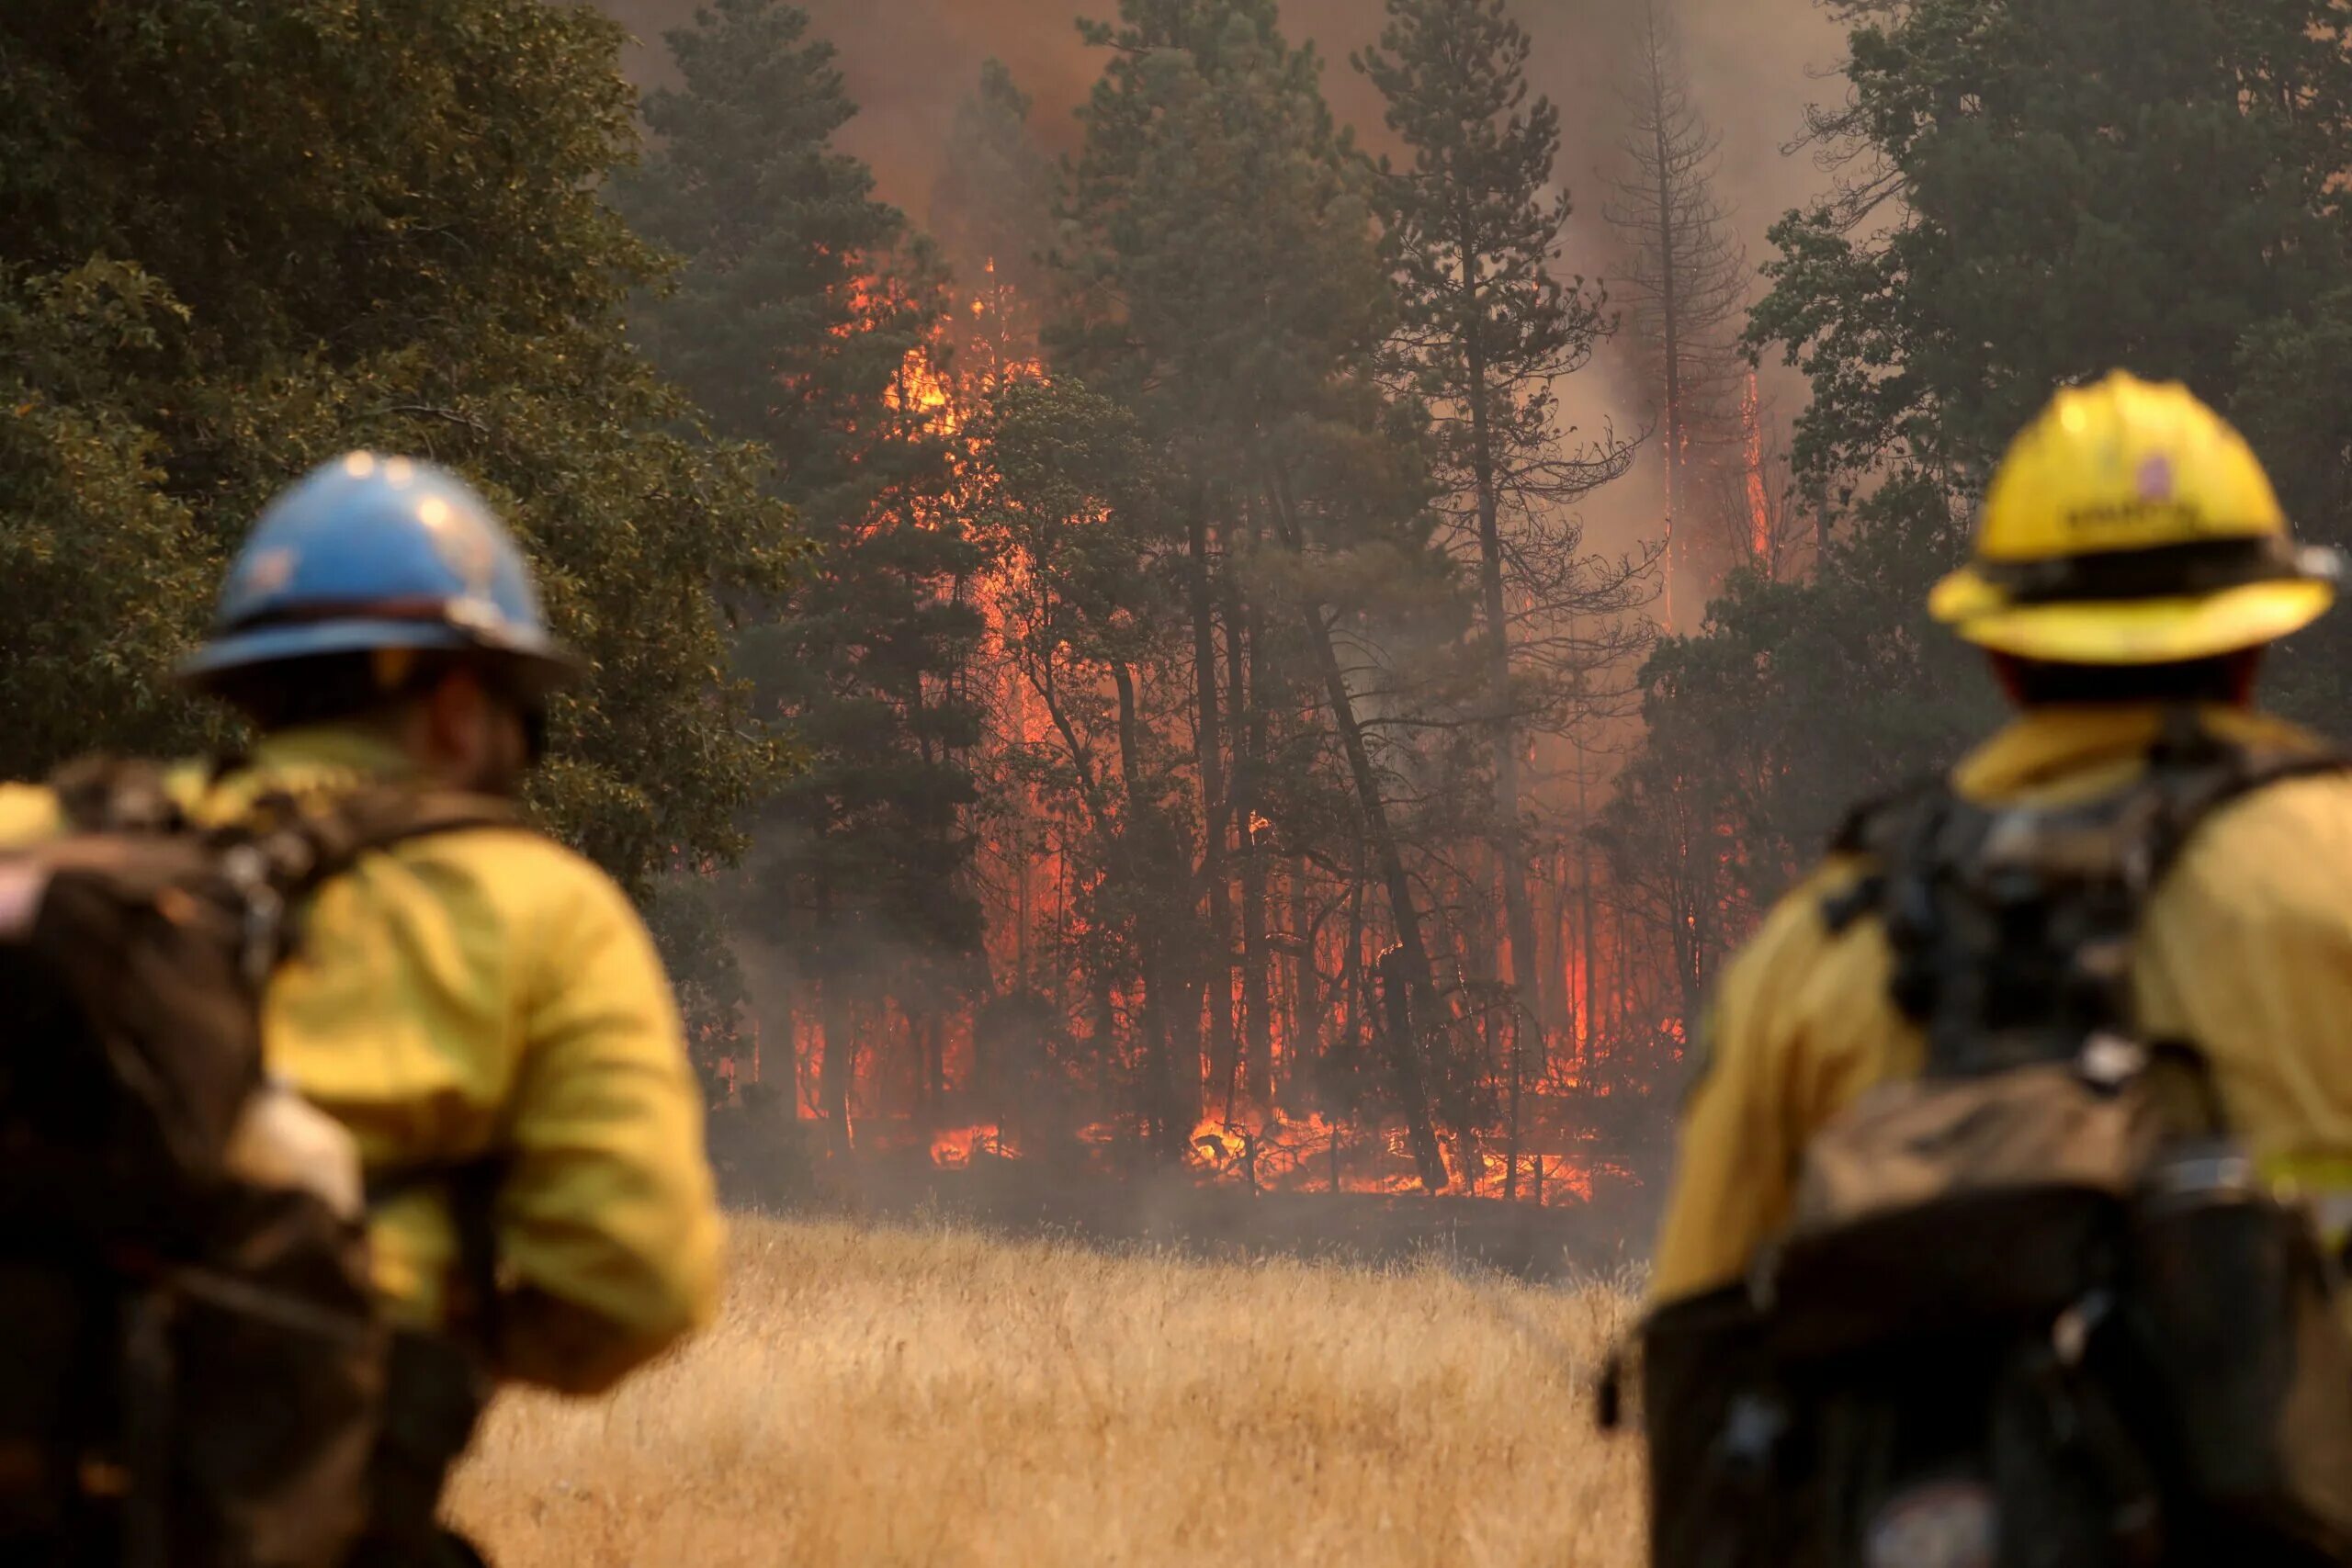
(1269, 1152)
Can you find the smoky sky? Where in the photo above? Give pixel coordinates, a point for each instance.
(1753, 66)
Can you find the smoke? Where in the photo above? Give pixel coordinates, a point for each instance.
(908, 62)
(1754, 65)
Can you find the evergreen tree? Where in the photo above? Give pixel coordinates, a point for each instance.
(992, 212)
(1686, 285)
(2145, 186)
(1076, 519)
(804, 319)
(1228, 288)
(1489, 329)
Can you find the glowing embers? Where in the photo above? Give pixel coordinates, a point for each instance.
(954, 1149)
(922, 390)
(1310, 1154)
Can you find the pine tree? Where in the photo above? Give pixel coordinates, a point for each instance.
(1228, 288)
(804, 319)
(992, 213)
(1489, 329)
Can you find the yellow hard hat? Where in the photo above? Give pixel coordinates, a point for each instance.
(2130, 525)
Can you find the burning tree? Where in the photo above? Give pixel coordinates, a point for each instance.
(1488, 331)
(992, 210)
(1151, 701)
(804, 318)
(1228, 287)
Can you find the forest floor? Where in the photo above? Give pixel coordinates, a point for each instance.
(928, 1395)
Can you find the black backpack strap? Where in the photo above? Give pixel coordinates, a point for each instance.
(2013, 928)
(380, 818)
(304, 842)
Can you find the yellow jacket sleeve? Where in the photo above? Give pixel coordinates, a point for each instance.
(607, 1226)
(2248, 953)
(27, 816)
(1776, 1066)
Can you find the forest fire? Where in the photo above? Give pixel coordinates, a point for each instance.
(1275, 1035)
(953, 1148)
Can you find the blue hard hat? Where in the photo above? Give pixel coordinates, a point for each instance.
(375, 552)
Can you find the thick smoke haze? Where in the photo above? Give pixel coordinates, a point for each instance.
(1753, 66)
(908, 62)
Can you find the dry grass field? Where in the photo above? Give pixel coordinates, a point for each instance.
(925, 1396)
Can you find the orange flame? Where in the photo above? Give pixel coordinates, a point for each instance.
(1759, 506)
(954, 1149)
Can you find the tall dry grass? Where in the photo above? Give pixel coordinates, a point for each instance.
(936, 1397)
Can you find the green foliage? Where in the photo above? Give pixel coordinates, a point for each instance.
(1224, 230)
(106, 573)
(1474, 225)
(1227, 287)
(242, 239)
(2061, 190)
(788, 320)
(802, 319)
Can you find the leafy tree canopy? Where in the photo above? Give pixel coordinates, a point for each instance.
(244, 238)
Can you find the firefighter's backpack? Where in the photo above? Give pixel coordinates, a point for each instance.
(195, 1360)
(2034, 1308)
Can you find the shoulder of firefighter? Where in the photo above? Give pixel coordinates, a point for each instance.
(486, 998)
(2128, 526)
(2245, 948)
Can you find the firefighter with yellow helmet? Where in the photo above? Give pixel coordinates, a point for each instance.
(2132, 563)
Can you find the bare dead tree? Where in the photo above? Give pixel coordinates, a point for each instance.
(1686, 279)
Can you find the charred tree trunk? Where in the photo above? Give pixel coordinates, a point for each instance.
(1132, 841)
(933, 1070)
(1518, 908)
(1307, 979)
(1407, 1068)
(838, 1070)
(1585, 932)
(1170, 1092)
(1216, 970)
(1253, 1063)
(1677, 436)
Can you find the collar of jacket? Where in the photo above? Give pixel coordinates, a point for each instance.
(329, 748)
(2051, 754)
(324, 759)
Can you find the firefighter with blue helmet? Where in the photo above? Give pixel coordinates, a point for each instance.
(482, 1001)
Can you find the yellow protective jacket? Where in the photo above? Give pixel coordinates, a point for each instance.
(488, 993)
(2245, 951)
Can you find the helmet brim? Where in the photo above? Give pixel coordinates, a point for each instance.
(537, 666)
(2130, 631)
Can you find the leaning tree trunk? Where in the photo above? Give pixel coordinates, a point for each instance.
(1172, 1076)
(1408, 1071)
